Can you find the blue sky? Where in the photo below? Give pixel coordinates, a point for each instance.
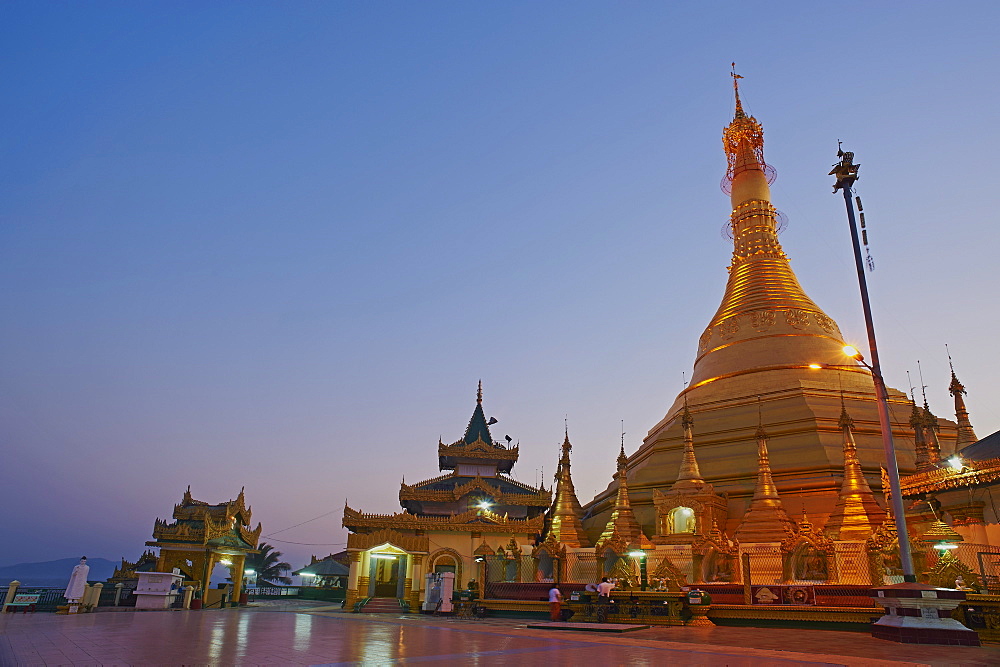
(277, 244)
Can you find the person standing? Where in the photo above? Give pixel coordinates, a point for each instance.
(604, 590)
(555, 603)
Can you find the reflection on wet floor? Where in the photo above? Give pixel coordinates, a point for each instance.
(288, 636)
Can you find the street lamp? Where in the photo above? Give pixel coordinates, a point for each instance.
(847, 173)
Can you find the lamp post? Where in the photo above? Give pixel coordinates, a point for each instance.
(847, 173)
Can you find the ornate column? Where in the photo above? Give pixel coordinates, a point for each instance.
(206, 574)
(414, 584)
(236, 574)
(353, 579)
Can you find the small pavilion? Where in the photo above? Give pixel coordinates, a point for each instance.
(202, 536)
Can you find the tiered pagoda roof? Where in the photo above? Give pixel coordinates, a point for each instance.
(453, 487)
(196, 523)
(474, 496)
(472, 520)
(477, 447)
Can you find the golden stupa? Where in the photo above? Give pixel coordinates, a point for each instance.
(768, 349)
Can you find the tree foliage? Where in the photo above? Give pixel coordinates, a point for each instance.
(268, 566)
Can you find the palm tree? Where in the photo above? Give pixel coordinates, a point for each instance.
(267, 566)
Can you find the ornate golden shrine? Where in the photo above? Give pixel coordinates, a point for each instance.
(203, 535)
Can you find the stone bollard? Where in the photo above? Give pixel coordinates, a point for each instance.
(188, 592)
(118, 592)
(11, 592)
(95, 596)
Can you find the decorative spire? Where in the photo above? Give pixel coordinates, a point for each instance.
(763, 298)
(622, 521)
(736, 92)
(919, 443)
(478, 428)
(765, 520)
(931, 428)
(857, 514)
(689, 476)
(966, 435)
(564, 524)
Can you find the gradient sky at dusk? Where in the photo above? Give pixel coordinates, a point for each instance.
(277, 244)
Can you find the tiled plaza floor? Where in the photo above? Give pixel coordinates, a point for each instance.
(302, 635)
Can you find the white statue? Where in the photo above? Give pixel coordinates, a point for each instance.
(77, 582)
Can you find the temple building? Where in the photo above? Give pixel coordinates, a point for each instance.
(472, 518)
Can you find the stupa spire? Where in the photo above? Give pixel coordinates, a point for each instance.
(856, 514)
(966, 435)
(763, 298)
(765, 520)
(622, 520)
(564, 523)
(931, 427)
(689, 476)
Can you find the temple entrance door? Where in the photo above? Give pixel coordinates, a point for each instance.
(386, 578)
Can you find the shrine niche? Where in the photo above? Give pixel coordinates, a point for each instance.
(718, 567)
(948, 569)
(714, 558)
(549, 558)
(203, 536)
(666, 576)
(505, 565)
(680, 520)
(685, 513)
(808, 555)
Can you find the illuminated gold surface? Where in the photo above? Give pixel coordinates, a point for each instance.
(622, 523)
(857, 513)
(765, 520)
(564, 525)
(762, 341)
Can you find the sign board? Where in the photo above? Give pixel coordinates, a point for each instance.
(799, 595)
(765, 594)
(26, 598)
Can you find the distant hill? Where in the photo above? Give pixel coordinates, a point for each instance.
(54, 572)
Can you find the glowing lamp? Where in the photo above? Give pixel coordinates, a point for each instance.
(226, 561)
(637, 554)
(852, 352)
(485, 505)
(815, 367)
(955, 463)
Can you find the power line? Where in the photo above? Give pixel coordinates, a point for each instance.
(299, 524)
(311, 544)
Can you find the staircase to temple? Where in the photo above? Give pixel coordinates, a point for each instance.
(382, 606)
